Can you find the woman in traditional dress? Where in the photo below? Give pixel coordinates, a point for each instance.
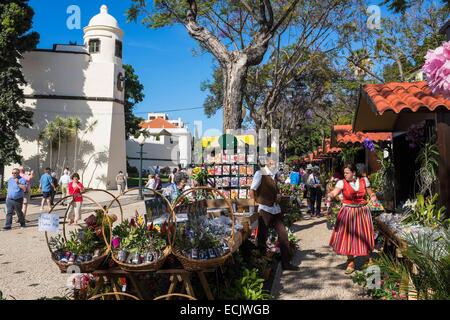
(353, 233)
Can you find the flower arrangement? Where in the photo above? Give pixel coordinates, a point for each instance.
(135, 242)
(84, 244)
(200, 238)
(437, 69)
(369, 145)
(200, 175)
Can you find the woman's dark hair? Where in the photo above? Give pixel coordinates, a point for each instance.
(180, 176)
(75, 175)
(174, 170)
(350, 166)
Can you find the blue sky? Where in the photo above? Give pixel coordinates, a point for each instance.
(162, 58)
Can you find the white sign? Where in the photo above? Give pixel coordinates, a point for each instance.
(48, 222)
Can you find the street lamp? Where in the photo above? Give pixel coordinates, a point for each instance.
(141, 141)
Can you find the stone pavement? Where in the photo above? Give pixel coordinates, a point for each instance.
(321, 275)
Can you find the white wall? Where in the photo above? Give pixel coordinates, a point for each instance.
(102, 150)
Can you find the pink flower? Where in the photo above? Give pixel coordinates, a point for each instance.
(437, 69)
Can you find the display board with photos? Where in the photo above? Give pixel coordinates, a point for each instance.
(232, 173)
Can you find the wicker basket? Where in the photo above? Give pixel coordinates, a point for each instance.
(149, 266)
(198, 265)
(116, 295)
(84, 267)
(144, 267)
(233, 243)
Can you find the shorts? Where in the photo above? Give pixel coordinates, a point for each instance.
(46, 195)
(26, 197)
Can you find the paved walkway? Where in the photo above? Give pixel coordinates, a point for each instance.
(321, 275)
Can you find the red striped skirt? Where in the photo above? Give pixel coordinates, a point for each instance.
(353, 232)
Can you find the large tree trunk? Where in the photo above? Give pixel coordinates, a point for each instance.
(235, 74)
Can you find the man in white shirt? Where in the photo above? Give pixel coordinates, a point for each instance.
(315, 188)
(64, 183)
(264, 190)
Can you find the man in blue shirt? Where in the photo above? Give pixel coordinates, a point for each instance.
(14, 199)
(46, 186)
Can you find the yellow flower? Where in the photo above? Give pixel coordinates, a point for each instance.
(157, 227)
(196, 170)
(140, 220)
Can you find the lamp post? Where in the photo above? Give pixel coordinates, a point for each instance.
(141, 141)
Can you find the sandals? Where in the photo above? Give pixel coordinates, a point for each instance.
(350, 267)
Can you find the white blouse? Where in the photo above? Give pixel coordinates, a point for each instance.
(353, 184)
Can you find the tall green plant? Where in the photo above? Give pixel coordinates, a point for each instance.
(427, 175)
(426, 212)
(431, 255)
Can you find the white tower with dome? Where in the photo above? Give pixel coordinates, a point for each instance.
(84, 81)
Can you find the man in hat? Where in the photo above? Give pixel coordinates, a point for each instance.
(264, 190)
(315, 187)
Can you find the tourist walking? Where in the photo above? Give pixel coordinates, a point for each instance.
(172, 175)
(75, 190)
(306, 192)
(14, 199)
(54, 189)
(315, 190)
(121, 182)
(64, 183)
(353, 233)
(28, 176)
(294, 177)
(46, 186)
(264, 190)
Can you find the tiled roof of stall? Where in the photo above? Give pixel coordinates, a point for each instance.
(343, 134)
(398, 96)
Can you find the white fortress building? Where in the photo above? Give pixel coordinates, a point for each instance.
(84, 81)
(169, 144)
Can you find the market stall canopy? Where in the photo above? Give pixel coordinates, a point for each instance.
(214, 140)
(343, 134)
(395, 106)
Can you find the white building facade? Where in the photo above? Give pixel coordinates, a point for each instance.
(86, 82)
(169, 144)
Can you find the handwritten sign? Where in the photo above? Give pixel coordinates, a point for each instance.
(48, 222)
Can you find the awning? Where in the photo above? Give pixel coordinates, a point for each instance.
(343, 134)
(382, 107)
(213, 141)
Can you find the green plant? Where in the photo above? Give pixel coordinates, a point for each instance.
(427, 175)
(431, 256)
(248, 287)
(394, 282)
(425, 212)
(383, 179)
(349, 152)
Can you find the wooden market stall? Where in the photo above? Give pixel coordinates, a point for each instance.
(395, 107)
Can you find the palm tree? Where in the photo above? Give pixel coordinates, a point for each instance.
(49, 134)
(73, 126)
